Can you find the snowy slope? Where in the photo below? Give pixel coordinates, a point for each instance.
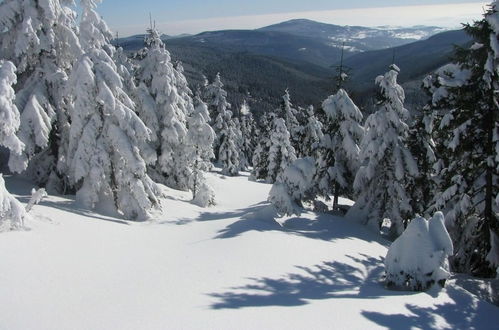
(226, 267)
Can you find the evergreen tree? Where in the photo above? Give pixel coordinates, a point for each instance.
(338, 159)
(260, 158)
(281, 152)
(165, 103)
(386, 162)
(312, 133)
(216, 98)
(465, 96)
(200, 139)
(287, 112)
(39, 38)
(228, 151)
(104, 159)
(9, 115)
(248, 134)
(422, 187)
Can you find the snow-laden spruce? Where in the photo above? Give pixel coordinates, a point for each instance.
(248, 136)
(420, 141)
(9, 115)
(338, 158)
(287, 112)
(104, 159)
(465, 98)
(281, 152)
(216, 98)
(39, 38)
(228, 151)
(164, 107)
(12, 212)
(386, 162)
(260, 158)
(312, 133)
(293, 187)
(200, 139)
(418, 258)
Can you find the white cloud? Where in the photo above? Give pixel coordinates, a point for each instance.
(444, 15)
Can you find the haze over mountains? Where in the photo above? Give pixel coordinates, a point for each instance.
(302, 54)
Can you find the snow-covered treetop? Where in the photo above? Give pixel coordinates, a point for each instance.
(245, 109)
(94, 32)
(340, 106)
(31, 27)
(391, 91)
(153, 38)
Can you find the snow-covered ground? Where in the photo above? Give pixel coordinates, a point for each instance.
(226, 267)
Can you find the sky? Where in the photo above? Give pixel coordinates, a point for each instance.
(173, 17)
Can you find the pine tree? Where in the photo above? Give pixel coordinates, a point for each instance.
(465, 96)
(260, 158)
(312, 133)
(163, 88)
(39, 38)
(9, 115)
(387, 163)
(338, 159)
(281, 152)
(104, 159)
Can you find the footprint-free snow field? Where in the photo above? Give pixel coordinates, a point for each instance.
(230, 266)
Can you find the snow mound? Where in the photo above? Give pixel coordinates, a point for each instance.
(418, 258)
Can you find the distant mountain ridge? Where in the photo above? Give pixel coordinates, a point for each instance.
(260, 64)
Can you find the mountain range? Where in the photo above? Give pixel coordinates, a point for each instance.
(302, 55)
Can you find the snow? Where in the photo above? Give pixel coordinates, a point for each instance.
(226, 267)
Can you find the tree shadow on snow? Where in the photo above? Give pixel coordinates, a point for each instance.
(464, 311)
(359, 278)
(263, 217)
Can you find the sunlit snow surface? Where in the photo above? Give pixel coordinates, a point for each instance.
(226, 267)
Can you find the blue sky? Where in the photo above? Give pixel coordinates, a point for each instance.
(193, 16)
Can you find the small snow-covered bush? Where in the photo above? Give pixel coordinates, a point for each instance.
(418, 258)
(12, 212)
(292, 186)
(205, 196)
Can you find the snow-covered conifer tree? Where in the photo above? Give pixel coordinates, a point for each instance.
(200, 139)
(422, 187)
(281, 152)
(164, 108)
(248, 132)
(465, 96)
(9, 115)
(386, 162)
(228, 151)
(260, 158)
(338, 159)
(287, 112)
(293, 187)
(312, 133)
(216, 98)
(104, 157)
(39, 38)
